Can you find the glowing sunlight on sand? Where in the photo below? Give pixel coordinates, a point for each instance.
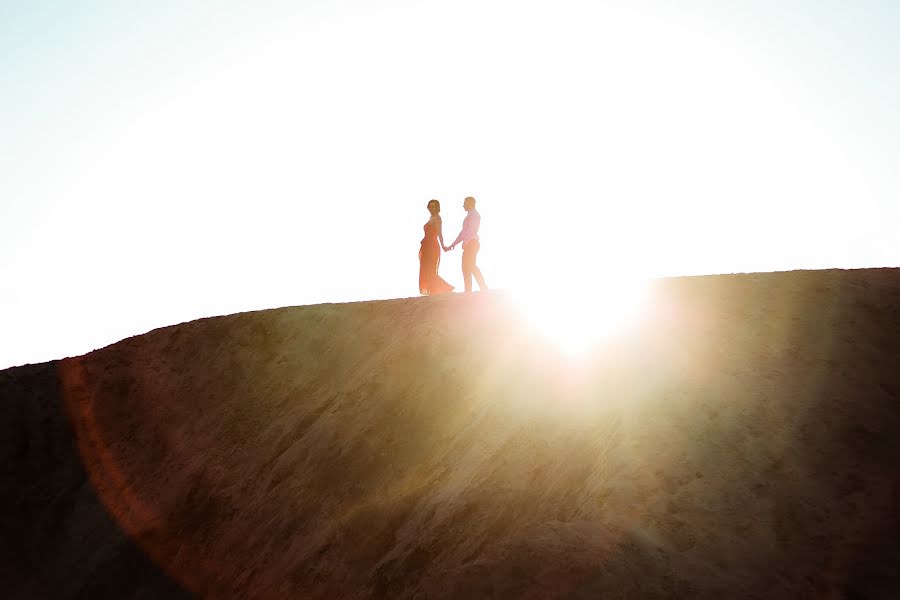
(578, 320)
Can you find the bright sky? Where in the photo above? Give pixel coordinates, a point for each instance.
(166, 161)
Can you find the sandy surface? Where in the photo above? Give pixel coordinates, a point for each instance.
(743, 441)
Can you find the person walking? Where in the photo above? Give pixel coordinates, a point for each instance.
(430, 283)
(471, 245)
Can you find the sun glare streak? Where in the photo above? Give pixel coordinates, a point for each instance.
(576, 322)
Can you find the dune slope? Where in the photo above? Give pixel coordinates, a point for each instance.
(740, 441)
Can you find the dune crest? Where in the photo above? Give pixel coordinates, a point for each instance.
(740, 441)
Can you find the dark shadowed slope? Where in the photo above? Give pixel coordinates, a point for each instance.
(742, 442)
(56, 538)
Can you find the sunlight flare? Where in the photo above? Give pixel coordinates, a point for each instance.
(576, 322)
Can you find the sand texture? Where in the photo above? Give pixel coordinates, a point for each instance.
(741, 441)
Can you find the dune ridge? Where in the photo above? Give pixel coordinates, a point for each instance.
(739, 441)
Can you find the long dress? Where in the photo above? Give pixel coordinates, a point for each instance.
(430, 282)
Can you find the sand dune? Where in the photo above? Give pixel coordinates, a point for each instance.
(740, 441)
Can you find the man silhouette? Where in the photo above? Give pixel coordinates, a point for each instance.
(471, 245)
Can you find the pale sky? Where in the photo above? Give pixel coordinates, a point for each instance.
(171, 160)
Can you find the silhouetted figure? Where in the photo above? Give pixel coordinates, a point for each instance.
(471, 245)
(430, 282)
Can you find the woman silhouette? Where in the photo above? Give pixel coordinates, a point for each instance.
(430, 282)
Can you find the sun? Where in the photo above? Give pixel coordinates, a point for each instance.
(576, 321)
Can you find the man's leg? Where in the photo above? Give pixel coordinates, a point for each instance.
(472, 253)
(476, 246)
(468, 265)
(479, 278)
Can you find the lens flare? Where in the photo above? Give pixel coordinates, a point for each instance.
(576, 321)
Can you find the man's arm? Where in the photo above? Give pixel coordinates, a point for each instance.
(461, 233)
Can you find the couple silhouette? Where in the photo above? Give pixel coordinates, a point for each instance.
(430, 283)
